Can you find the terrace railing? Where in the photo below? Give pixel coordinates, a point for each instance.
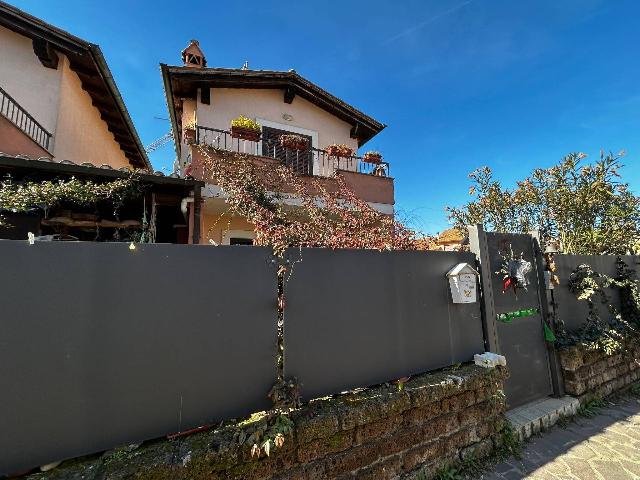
(12, 111)
(308, 162)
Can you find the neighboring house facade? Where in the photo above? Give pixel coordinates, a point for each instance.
(58, 98)
(208, 99)
(450, 240)
(62, 116)
(157, 214)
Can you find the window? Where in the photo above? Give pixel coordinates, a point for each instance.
(300, 161)
(240, 241)
(238, 237)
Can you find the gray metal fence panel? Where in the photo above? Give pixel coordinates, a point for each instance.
(356, 317)
(101, 346)
(570, 310)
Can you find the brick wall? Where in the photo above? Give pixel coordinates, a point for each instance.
(377, 433)
(593, 373)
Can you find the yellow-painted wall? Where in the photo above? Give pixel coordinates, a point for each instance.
(55, 98)
(34, 87)
(81, 135)
(215, 225)
(267, 104)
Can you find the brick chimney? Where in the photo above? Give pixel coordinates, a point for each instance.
(192, 56)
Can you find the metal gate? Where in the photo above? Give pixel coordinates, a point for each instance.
(514, 322)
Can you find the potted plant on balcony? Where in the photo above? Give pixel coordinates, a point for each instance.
(245, 129)
(294, 142)
(372, 157)
(338, 150)
(189, 133)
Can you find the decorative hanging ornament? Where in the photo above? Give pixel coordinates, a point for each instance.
(550, 266)
(509, 316)
(514, 272)
(549, 336)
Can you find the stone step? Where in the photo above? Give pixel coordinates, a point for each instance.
(531, 418)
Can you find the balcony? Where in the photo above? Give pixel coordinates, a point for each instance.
(369, 181)
(313, 162)
(12, 111)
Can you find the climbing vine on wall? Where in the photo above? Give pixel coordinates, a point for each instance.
(629, 286)
(611, 333)
(328, 215)
(26, 196)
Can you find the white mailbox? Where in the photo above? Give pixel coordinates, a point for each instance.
(462, 281)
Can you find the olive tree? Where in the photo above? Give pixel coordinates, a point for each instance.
(587, 208)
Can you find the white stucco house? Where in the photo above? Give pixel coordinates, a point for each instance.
(58, 98)
(281, 102)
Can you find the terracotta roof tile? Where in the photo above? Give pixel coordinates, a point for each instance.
(451, 235)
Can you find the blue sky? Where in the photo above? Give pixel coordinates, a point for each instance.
(461, 83)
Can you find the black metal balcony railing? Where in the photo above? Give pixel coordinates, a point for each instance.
(310, 162)
(12, 111)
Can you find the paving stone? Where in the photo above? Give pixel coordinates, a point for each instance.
(580, 468)
(631, 466)
(604, 447)
(512, 475)
(503, 468)
(557, 467)
(582, 451)
(492, 476)
(611, 470)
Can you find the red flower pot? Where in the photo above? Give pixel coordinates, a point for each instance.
(372, 158)
(245, 134)
(338, 151)
(294, 142)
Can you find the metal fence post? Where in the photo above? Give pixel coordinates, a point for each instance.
(478, 245)
(546, 300)
(197, 199)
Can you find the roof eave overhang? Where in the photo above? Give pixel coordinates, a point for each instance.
(168, 93)
(8, 163)
(87, 61)
(122, 108)
(184, 81)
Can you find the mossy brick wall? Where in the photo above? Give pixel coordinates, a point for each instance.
(377, 433)
(593, 373)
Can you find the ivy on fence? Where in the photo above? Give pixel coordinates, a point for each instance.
(608, 334)
(26, 196)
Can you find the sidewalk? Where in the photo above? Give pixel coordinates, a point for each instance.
(605, 447)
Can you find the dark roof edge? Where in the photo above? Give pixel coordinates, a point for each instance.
(105, 71)
(296, 79)
(359, 113)
(26, 24)
(63, 39)
(168, 93)
(74, 169)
